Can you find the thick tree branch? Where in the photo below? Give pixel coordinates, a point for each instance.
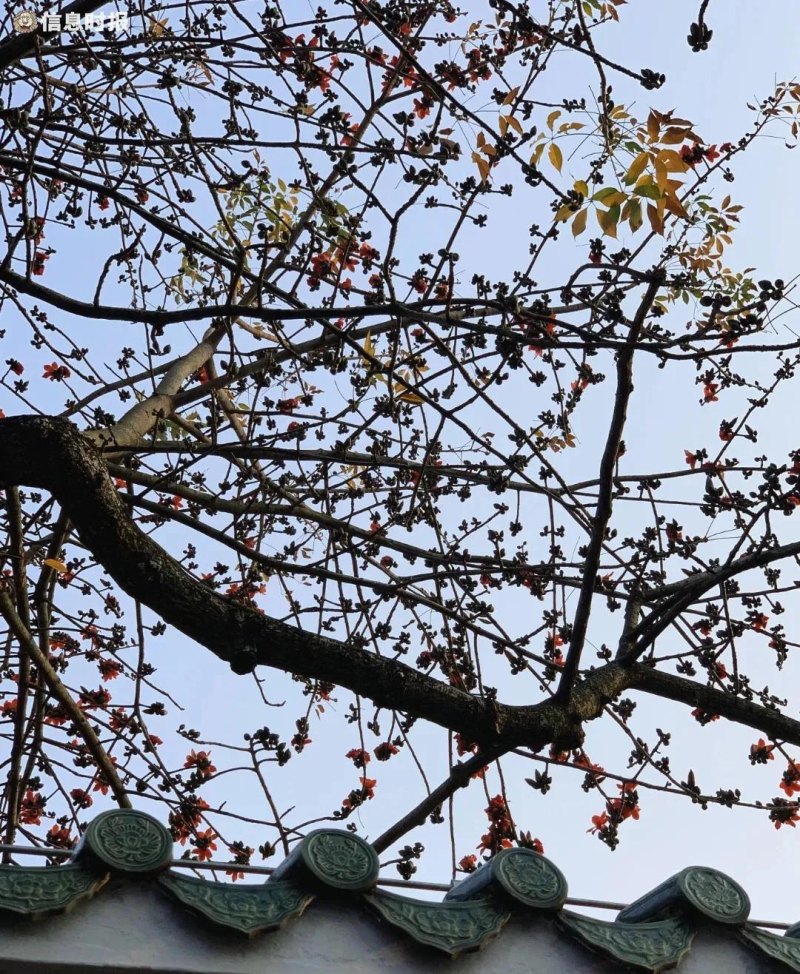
(141, 418)
(51, 454)
(713, 701)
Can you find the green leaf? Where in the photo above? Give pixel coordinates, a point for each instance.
(635, 215)
(602, 194)
(650, 192)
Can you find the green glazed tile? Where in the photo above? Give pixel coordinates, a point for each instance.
(450, 927)
(647, 946)
(786, 950)
(246, 909)
(37, 890)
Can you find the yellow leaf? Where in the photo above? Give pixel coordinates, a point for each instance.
(551, 118)
(515, 124)
(156, 26)
(653, 126)
(56, 565)
(555, 157)
(655, 220)
(581, 187)
(673, 136)
(411, 397)
(579, 223)
(537, 154)
(637, 167)
(608, 221)
(369, 349)
(612, 199)
(511, 96)
(671, 161)
(503, 124)
(674, 205)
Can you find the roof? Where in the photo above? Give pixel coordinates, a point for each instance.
(123, 865)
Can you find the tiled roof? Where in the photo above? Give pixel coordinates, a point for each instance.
(516, 886)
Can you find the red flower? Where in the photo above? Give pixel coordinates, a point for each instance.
(321, 264)
(204, 845)
(16, 367)
(110, 669)
(201, 760)
(703, 716)
(31, 808)
(422, 107)
(790, 783)
(385, 750)
(56, 372)
(710, 392)
(598, 822)
(468, 864)
(81, 798)
(359, 757)
(59, 837)
(761, 752)
(691, 458)
(90, 699)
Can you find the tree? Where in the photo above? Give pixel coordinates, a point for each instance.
(293, 405)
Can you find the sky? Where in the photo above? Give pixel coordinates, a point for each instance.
(751, 49)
